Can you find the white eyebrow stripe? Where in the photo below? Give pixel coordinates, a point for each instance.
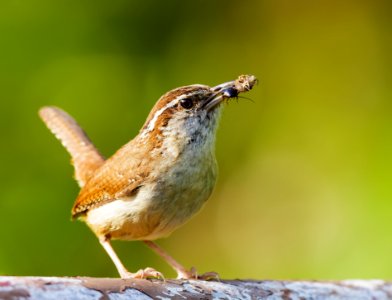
(150, 126)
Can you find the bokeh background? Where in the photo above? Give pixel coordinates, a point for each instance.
(305, 169)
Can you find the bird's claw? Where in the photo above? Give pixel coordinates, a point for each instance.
(144, 274)
(149, 273)
(192, 274)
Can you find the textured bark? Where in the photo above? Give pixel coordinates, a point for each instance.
(104, 288)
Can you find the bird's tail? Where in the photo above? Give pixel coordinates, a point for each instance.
(85, 157)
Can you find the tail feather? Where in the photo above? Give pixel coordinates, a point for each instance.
(85, 157)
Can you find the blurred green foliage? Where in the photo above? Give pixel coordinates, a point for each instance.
(305, 171)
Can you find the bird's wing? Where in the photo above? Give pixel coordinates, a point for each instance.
(86, 159)
(119, 177)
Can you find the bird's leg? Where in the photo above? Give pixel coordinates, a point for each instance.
(124, 273)
(182, 272)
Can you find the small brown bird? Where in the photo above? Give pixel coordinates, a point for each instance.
(158, 180)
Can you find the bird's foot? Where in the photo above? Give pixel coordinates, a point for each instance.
(143, 274)
(192, 274)
(149, 273)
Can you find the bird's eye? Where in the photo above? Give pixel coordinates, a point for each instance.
(186, 103)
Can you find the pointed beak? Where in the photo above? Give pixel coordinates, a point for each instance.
(230, 89)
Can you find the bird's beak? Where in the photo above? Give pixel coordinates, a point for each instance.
(229, 89)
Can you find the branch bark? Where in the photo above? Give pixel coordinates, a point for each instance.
(104, 288)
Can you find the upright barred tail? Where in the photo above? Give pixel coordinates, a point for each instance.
(85, 157)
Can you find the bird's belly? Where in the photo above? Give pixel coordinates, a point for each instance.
(156, 210)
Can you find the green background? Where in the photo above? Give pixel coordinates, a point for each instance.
(305, 171)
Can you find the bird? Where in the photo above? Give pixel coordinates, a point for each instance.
(158, 180)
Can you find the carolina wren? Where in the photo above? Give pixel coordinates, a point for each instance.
(157, 181)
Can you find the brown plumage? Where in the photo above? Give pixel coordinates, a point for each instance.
(86, 159)
(122, 174)
(157, 181)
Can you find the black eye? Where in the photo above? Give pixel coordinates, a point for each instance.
(230, 92)
(186, 103)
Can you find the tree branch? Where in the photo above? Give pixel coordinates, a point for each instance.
(105, 288)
